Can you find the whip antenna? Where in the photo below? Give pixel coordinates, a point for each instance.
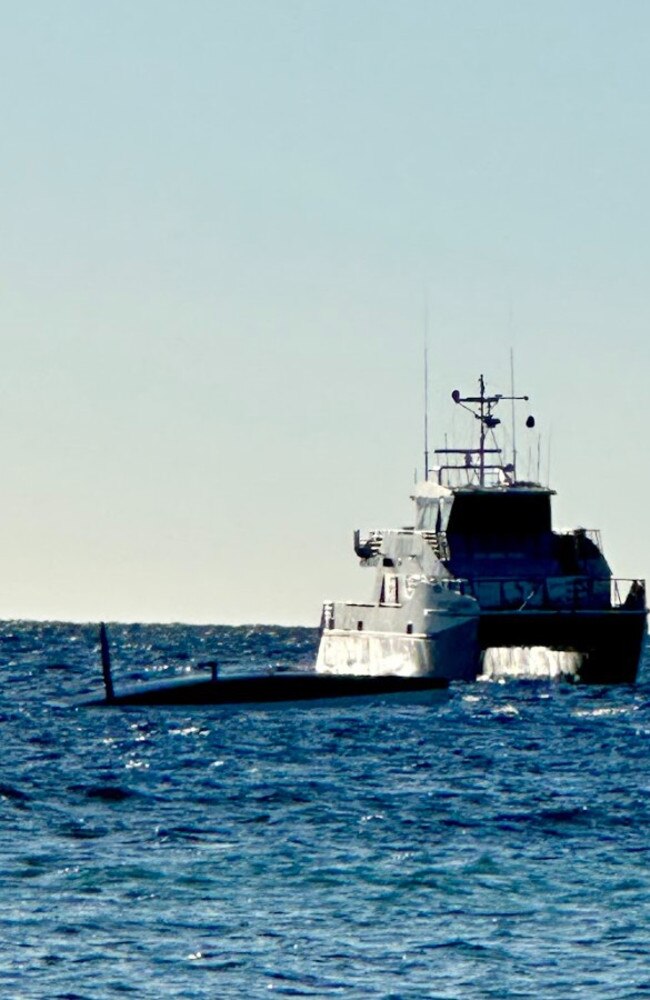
(426, 390)
(512, 407)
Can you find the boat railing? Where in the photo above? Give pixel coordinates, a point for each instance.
(327, 616)
(438, 542)
(370, 545)
(561, 593)
(592, 534)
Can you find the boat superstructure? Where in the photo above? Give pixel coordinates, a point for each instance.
(482, 573)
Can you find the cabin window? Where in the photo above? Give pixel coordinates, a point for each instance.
(432, 514)
(426, 515)
(482, 515)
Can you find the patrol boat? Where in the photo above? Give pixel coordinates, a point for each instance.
(482, 585)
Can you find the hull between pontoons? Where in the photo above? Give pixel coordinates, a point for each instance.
(601, 647)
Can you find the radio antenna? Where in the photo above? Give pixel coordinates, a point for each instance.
(426, 389)
(512, 407)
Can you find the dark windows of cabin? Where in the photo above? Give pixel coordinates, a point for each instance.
(500, 515)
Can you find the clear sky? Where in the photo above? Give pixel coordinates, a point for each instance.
(220, 223)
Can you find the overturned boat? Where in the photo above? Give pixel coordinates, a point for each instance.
(262, 690)
(482, 577)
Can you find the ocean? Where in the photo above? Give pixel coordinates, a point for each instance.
(495, 843)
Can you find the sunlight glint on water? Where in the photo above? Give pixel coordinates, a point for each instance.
(492, 844)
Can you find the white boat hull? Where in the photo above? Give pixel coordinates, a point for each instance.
(452, 653)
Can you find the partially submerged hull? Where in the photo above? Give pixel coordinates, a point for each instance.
(262, 690)
(278, 689)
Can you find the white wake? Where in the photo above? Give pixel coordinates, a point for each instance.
(529, 662)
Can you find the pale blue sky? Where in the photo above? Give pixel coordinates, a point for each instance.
(220, 222)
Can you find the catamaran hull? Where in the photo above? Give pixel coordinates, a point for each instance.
(604, 647)
(608, 644)
(452, 654)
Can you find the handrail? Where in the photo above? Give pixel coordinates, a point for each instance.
(558, 592)
(368, 546)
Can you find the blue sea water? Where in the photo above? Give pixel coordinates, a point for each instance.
(492, 844)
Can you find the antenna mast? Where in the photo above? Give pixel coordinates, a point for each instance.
(512, 407)
(426, 391)
(488, 422)
(482, 418)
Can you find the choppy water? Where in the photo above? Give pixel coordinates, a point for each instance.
(495, 844)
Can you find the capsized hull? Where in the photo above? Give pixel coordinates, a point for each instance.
(286, 688)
